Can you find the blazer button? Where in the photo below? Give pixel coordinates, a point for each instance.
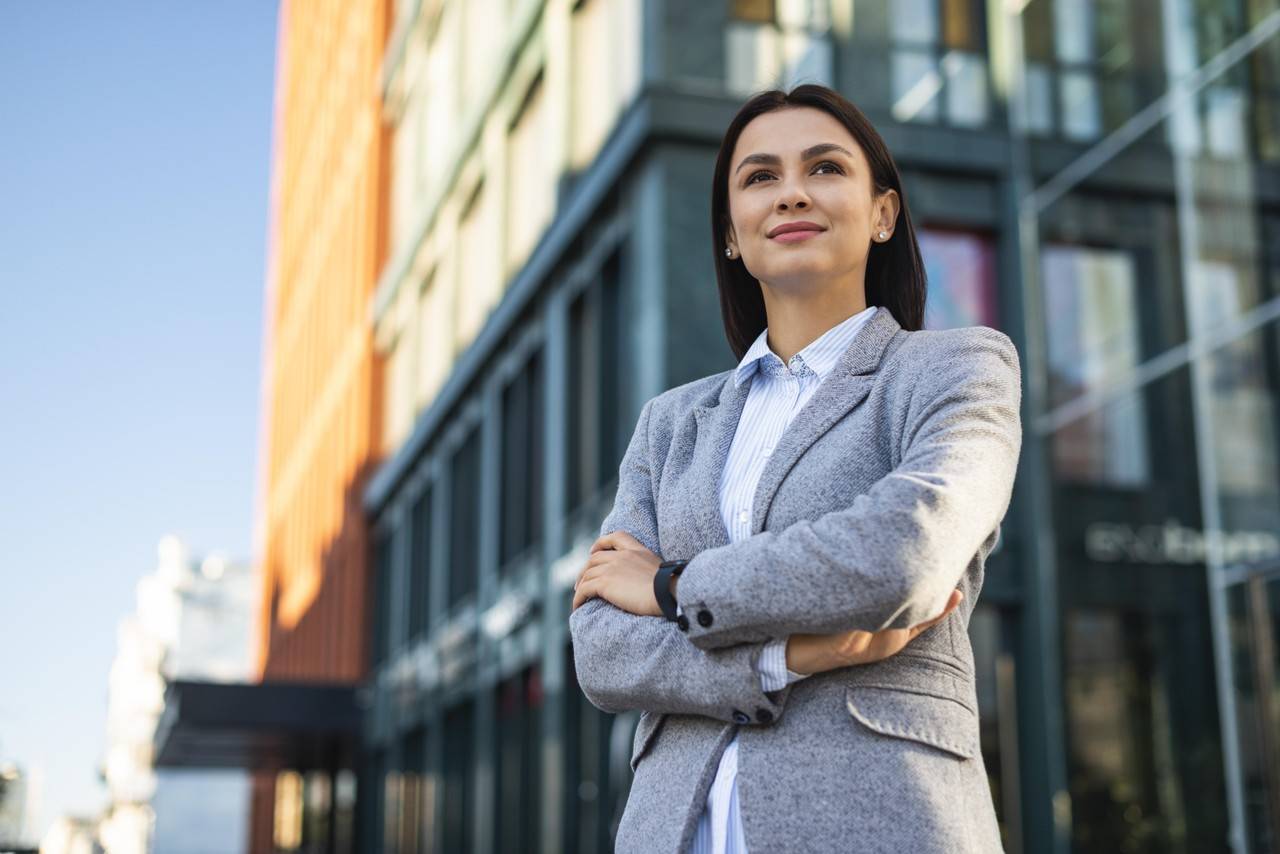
(741, 717)
(764, 715)
(704, 618)
(682, 622)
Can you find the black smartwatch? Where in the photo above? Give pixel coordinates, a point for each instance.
(667, 570)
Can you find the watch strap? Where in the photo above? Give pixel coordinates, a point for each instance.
(662, 586)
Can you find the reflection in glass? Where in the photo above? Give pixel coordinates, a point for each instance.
(990, 631)
(1143, 763)
(1254, 608)
(1245, 389)
(960, 269)
(1092, 342)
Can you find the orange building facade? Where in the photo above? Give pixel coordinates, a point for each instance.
(321, 381)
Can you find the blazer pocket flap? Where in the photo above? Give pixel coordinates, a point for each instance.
(646, 729)
(931, 719)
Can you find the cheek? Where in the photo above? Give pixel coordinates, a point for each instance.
(746, 214)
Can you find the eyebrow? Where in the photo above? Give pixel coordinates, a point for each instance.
(808, 153)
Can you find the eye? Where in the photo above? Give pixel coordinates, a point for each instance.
(752, 179)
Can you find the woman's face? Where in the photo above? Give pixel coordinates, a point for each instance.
(799, 164)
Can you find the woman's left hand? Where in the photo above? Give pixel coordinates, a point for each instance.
(620, 570)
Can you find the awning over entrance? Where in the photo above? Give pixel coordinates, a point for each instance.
(271, 725)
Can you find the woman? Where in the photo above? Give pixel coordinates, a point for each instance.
(785, 582)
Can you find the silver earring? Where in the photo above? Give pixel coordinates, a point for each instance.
(728, 253)
(883, 235)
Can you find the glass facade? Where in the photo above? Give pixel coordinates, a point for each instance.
(1097, 178)
(1156, 316)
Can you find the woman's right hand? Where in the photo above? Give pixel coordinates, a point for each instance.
(809, 654)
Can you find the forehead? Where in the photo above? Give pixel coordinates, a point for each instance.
(789, 131)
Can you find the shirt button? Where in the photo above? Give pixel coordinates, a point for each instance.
(741, 717)
(764, 716)
(743, 516)
(704, 618)
(768, 449)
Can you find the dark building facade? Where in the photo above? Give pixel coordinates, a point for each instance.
(1096, 178)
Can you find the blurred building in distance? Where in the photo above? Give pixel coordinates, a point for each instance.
(192, 621)
(294, 723)
(16, 806)
(70, 835)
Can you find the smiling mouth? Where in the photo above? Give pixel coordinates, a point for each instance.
(796, 236)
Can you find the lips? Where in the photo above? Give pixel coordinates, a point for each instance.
(789, 227)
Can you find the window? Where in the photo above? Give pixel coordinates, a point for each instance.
(518, 748)
(522, 448)
(1090, 65)
(1090, 294)
(381, 625)
(416, 795)
(939, 65)
(769, 44)
(605, 71)
(420, 566)
(459, 778)
(531, 177)
(960, 267)
(596, 780)
(595, 386)
(479, 257)
(464, 512)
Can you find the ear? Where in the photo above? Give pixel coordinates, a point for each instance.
(887, 206)
(730, 238)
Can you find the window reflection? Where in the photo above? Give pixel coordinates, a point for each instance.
(1255, 650)
(1093, 342)
(1143, 761)
(960, 267)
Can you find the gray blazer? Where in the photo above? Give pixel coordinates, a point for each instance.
(884, 494)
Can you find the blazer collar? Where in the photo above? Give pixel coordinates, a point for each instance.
(717, 421)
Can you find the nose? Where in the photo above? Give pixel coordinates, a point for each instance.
(792, 194)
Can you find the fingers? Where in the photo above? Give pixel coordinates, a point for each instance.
(598, 559)
(618, 540)
(588, 589)
(952, 601)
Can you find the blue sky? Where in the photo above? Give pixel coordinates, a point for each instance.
(134, 168)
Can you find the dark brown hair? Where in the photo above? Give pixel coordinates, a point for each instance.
(895, 271)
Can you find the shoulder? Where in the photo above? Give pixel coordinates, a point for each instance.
(945, 354)
(928, 368)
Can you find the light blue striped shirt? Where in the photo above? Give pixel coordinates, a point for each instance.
(778, 392)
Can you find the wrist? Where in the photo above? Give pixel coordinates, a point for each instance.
(806, 654)
(812, 654)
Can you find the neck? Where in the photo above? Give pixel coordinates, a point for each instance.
(796, 319)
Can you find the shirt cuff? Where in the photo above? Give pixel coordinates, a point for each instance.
(772, 667)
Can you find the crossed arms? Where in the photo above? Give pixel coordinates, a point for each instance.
(889, 560)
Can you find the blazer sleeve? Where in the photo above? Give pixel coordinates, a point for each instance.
(892, 558)
(626, 661)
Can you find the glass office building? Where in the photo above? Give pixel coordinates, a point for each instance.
(1097, 178)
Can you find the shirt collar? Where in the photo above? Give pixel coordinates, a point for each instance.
(818, 356)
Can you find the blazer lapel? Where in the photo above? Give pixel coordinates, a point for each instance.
(717, 422)
(843, 389)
